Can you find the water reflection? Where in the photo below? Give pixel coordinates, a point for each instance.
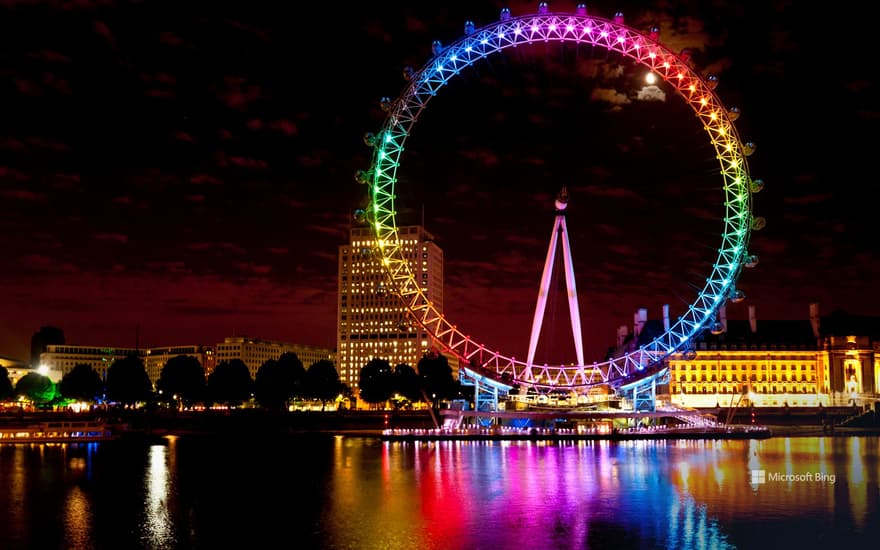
(157, 528)
(668, 494)
(78, 519)
(351, 492)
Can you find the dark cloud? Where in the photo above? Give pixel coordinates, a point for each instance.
(188, 168)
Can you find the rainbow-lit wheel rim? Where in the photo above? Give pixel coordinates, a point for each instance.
(611, 35)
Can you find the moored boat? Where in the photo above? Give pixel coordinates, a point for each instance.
(56, 431)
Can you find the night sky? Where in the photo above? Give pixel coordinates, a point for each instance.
(184, 170)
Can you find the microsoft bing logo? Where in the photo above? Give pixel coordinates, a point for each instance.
(759, 477)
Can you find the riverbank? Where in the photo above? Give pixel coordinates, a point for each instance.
(262, 423)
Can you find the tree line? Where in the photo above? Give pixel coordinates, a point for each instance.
(183, 383)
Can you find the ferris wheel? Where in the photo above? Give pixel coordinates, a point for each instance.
(614, 36)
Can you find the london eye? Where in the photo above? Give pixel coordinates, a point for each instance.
(612, 35)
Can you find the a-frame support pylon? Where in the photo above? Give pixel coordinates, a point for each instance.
(560, 232)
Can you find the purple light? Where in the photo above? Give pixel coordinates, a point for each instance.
(534, 28)
(569, 28)
(552, 27)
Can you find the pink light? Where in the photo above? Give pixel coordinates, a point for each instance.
(620, 39)
(534, 28)
(568, 28)
(588, 30)
(603, 34)
(552, 27)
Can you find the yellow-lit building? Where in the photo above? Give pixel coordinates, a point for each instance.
(777, 363)
(371, 320)
(16, 369)
(255, 351)
(63, 357)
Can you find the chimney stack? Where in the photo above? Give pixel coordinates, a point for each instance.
(666, 317)
(723, 316)
(639, 319)
(814, 318)
(622, 333)
(753, 319)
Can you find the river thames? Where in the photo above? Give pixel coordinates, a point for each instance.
(331, 491)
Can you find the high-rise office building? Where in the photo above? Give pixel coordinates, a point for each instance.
(372, 322)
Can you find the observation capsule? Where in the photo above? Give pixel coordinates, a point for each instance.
(712, 81)
(733, 113)
(654, 33)
(618, 17)
(581, 9)
(750, 261)
(737, 296)
(403, 325)
(716, 328)
(758, 223)
(408, 73)
(543, 8)
(690, 354)
(436, 47)
(362, 177)
(468, 27)
(756, 185)
(385, 104)
(370, 139)
(360, 215)
(505, 14)
(749, 148)
(685, 55)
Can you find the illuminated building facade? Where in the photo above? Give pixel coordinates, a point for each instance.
(254, 352)
(777, 363)
(63, 357)
(371, 320)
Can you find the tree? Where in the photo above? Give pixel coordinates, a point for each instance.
(436, 375)
(322, 382)
(82, 383)
(182, 378)
(47, 335)
(36, 387)
(279, 380)
(230, 383)
(407, 382)
(127, 381)
(293, 373)
(6, 389)
(376, 383)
